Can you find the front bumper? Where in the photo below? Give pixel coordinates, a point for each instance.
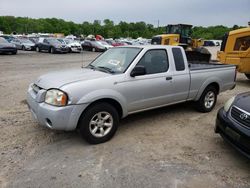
(76, 49)
(30, 48)
(8, 50)
(229, 130)
(53, 117)
(62, 50)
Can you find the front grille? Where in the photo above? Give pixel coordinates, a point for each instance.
(240, 116)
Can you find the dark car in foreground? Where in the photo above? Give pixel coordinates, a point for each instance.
(51, 45)
(233, 122)
(6, 47)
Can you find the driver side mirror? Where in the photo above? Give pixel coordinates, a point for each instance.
(138, 71)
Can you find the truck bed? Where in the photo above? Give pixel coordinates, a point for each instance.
(202, 66)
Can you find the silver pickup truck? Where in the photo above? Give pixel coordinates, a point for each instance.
(123, 81)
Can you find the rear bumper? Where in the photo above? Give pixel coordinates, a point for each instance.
(53, 117)
(229, 132)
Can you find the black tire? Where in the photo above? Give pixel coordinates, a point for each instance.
(14, 53)
(89, 115)
(52, 50)
(23, 48)
(207, 100)
(248, 76)
(38, 49)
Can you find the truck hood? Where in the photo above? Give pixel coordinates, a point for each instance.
(59, 79)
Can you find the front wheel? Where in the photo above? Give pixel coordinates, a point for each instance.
(99, 123)
(248, 76)
(207, 100)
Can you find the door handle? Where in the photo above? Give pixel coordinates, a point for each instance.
(169, 78)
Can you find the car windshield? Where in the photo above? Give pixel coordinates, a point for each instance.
(115, 60)
(2, 40)
(26, 41)
(53, 41)
(69, 41)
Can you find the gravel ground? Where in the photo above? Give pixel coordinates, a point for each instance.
(168, 147)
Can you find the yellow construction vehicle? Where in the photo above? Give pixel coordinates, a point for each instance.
(179, 35)
(235, 49)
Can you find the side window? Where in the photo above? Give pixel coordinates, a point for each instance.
(242, 44)
(178, 59)
(155, 61)
(166, 42)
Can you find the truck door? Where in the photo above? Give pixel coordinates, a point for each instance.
(181, 76)
(153, 89)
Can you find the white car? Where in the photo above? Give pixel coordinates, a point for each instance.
(105, 44)
(73, 45)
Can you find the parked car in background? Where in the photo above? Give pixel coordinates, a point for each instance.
(123, 81)
(233, 122)
(34, 39)
(73, 45)
(93, 46)
(23, 44)
(6, 47)
(9, 38)
(116, 43)
(208, 43)
(51, 45)
(104, 44)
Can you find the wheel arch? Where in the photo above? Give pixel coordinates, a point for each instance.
(110, 101)
(215, 84)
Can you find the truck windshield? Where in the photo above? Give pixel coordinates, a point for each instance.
(115, 60)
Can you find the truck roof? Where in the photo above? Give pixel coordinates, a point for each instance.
(150, 46)
(237, 31)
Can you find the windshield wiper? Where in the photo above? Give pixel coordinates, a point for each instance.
(106, 69)
(91, 66)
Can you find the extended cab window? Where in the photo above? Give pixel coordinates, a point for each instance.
(155, 61)
(242, 44)
(178, 59)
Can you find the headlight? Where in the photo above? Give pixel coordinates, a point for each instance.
(228, 104)
(56, 97)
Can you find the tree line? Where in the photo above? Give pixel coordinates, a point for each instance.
(107, 28)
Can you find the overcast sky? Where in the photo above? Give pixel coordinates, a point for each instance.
(195, 12)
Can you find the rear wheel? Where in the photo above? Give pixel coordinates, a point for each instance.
(248, 76)
(207, 100)
(99, 123)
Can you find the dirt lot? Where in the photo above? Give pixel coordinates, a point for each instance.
(169, 147)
